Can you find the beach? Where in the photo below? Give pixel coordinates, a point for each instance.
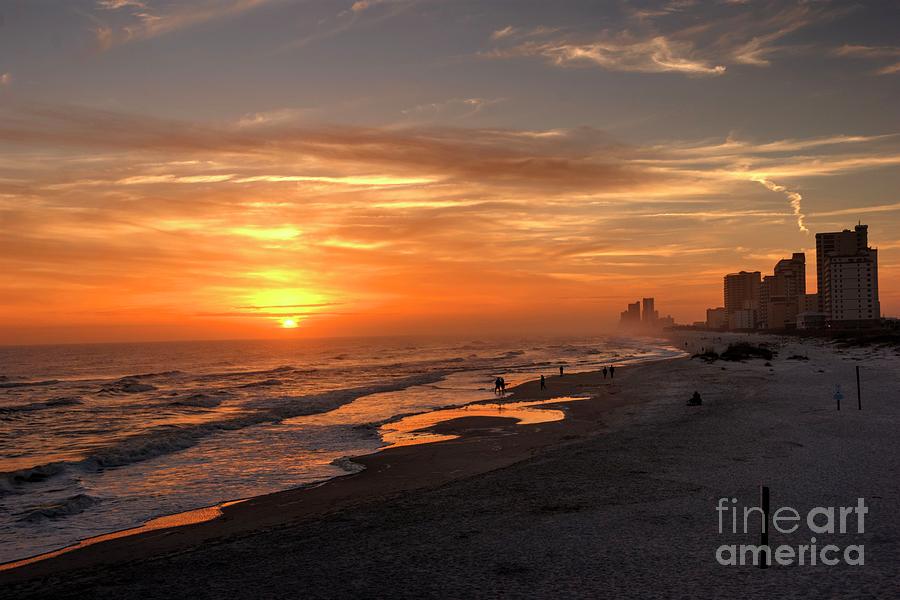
(618, 499)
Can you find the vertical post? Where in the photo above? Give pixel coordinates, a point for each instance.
(764, 527)
(858, 393)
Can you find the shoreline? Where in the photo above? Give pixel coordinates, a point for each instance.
(171, 532)
(618, 500)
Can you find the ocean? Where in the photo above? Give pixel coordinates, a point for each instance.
(102, 437)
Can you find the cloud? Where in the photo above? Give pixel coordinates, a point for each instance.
(354, 17)
(455, 107)
(272, 117)
(117, 4)
(164, 219)
(504, 157)
(504, 32)
(621, 52)
(145, 21)
(794, 197)
(645, 42)
(873, 52)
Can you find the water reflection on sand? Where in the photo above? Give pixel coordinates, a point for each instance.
(417, 429)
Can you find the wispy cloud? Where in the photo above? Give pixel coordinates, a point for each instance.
(362, 13)
(873, 53)
(503, 32)
(620, 52)
(143, 20)
(459, 108)
(794, 197)
(646, 42)
(117, 4)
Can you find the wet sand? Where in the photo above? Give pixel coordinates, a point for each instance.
(458, 445)
(616, 500)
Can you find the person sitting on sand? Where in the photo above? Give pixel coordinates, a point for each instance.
(695, 399)
(604, 372)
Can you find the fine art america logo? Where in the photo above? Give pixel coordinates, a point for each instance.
(828, 521)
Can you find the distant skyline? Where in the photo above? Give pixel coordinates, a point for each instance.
(280, 168)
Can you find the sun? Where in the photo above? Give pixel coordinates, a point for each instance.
(289, 323)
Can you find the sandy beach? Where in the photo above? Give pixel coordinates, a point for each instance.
(616, 500)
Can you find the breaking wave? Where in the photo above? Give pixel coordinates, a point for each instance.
(126, 385)
(68, 506)
(168, 439)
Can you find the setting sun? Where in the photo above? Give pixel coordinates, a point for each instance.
(289, 323)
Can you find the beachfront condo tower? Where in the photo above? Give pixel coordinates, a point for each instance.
(847, 276)
(742, 299)
(782, 296)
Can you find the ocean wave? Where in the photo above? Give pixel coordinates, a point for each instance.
(18, 384)
(126, 385)
(167, 439)
(64, 508)
(201, 400)
(264, 383)
(152, 375)
(237, 374)
(32, 406)
(346, 463)
(10, 480)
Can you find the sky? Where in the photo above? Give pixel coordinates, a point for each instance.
(279, 168)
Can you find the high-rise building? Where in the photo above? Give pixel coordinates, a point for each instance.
(742, 296)
(716, 318)
(632, 316)
(840, 243)
(793, 271)
(648, 321)
(847, 276)
(810, 303)
(650, 315)
(782, 295)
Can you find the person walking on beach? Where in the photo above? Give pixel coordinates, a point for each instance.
(604, 372)
(560, 370)
(497, 386)
(612, 371)
(543, 383)
(502, 386)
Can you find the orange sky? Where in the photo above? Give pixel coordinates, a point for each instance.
(207, 216)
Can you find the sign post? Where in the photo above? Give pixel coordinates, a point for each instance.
(764, 528)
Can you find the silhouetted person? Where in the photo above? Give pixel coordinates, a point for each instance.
(502, 386)
(612, 371)
(543, 383)
(497, 386)
(604, 372)
(560, 370)
(695, 400)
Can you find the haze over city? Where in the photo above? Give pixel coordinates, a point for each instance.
(271, 168)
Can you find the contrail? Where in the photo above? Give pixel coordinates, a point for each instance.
(794, 198)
